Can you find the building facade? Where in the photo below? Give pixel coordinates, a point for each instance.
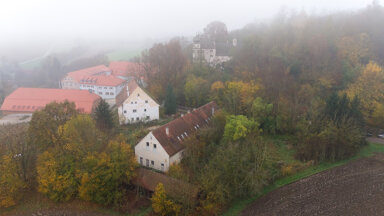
(210, 52)
(164, 146)
(138, 107)
(98, 80)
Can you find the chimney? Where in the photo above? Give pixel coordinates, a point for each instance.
(127, 90)
(167, 131)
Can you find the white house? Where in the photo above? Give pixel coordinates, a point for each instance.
(98, 80)
(162, 147)
(138, 105)
(207, 51)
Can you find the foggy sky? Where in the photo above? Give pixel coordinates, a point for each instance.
(22, 20)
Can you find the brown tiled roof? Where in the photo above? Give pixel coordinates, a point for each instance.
(132, 85)
(182, 127)
(148, 179)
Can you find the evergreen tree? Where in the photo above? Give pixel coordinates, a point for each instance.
(103, 116)
(170, 101)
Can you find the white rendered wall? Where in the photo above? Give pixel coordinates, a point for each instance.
(138, 107)
(158, 155)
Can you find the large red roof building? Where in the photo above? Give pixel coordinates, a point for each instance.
(28, 100)
(98, 79)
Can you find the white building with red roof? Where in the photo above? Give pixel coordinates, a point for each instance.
(165, 146)
(98, 79)
(137, 106)
(28, 100)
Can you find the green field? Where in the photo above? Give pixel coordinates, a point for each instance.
(237, 206)
(123, 55)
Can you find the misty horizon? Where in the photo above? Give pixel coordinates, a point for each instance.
(31, 21)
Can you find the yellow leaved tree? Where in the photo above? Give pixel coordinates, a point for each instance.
(162, 205)
(10, 182)
(369, 88)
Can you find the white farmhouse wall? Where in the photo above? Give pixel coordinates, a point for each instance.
(146, 153)
(139, 106)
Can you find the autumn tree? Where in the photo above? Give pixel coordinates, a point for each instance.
(58, 168)
(43, 129)
(106, 174)
(237, 96)
(369, 88)
(239, 127)
(162, 205)
(196, 90)
(11, 183)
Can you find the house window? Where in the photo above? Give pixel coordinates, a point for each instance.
(138, 95)
(105, 87)
(162, 167)
(145, 110)
(111, 93)
(110, 87)
(100, 93)
(132, 119)
(135, 102)
(147, 117)
(146, 101)
(107, 93)
(125, 111)
(141, 160)
(147, 162)
(137, 118)
(132, 102)
(153, 163)
(134, 110)
(154, 146)
(147, 144)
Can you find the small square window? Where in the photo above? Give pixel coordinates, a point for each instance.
(146, 101)
(147, 144)
(154, 146)
(135, 102)
(134, 110)
(145, 110)
(152, 163)
(147, 117)
(125, 111)
(132, 119)
(138, 95)
(137, 118)
(132, 102)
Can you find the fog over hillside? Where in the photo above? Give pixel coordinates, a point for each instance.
(31, 28)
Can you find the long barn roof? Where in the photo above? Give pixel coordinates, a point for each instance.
(182, 127)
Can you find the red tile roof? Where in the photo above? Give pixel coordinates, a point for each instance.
(32, 99)
(98, 75)
(102, 80)
(126, 69)
(178, 128)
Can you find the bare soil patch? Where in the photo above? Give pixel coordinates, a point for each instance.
(356, 188)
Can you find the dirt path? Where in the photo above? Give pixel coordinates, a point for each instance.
(356, 188)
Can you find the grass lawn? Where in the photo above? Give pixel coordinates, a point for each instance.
(238, 205)
(121, 55)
